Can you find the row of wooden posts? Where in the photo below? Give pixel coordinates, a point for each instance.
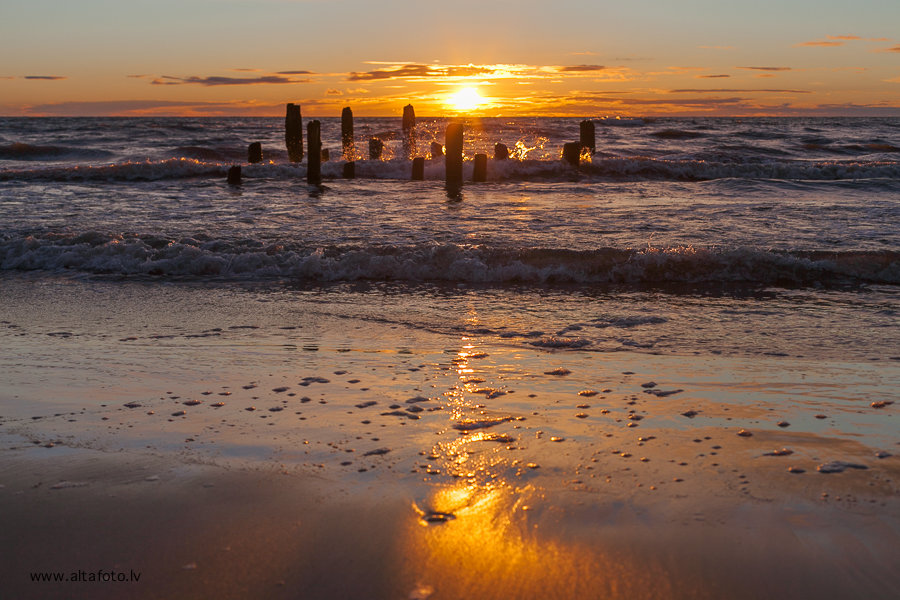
(293, 136)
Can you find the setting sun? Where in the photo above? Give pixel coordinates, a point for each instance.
(466, 99)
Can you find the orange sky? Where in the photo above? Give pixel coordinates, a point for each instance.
(250, 57)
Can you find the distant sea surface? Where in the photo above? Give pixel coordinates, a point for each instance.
(743, 237)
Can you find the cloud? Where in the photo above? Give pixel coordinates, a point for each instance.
(295, 73)
(738, 91)
(45, 77)
(891, 49)
(843, 37)
(580, 68)
(766, 68)
(333, 92)
(152, 107)
(240, 70)
(420, 71)
(587, 53)
(212, 81)
(823, 43)
(711, 76)
(894, 80)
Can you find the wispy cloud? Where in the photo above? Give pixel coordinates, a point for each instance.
(45, 77)
(822, 43)
(766, 68)
(153, 108)
(721, 76)
(580, 68)
(891, 49)
(213, 81)
(333, 92)
(738, 91)
(421, 71)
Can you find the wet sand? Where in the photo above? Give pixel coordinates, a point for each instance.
(226, 448)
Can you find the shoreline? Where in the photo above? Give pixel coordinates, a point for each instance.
(391, 461)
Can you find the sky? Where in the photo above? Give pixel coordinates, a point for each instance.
(521, 57)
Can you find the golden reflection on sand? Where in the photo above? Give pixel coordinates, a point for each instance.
(492, 532)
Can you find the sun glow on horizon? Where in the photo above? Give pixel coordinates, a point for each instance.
(466, 98)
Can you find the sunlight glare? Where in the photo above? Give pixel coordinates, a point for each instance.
(466, 98)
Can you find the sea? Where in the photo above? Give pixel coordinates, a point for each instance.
(735, 236)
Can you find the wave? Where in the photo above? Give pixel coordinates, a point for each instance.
(216, 259)
(600, 168)
(31, 152)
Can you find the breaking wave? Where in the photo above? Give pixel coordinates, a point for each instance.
(250, 260)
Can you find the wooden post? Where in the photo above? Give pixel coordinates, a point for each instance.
(293, 133)
(418, 168)
(437, 151)
(479, 170)
(409, 131)
(314, 161)
(501, 152)
(454, 160)
(572, 153)
(375, 148)
(588, 138)
(350, 170)
(234, 175)
(254, 153)
(347, 134)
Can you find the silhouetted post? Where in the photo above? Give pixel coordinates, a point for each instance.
(418, 168)
(293, 133)
(350, 170)
(454, 159)
(588, 138)
(347, 134)
(409, 130)
(314, 161)
(437, 151)
(501, 152)
(479, 168)
(572, 153)
(254, 152)
(234, 175)
(375, 148)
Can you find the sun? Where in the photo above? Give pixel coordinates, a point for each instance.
(466, 98)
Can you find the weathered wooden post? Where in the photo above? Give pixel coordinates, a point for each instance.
(254, 153)
(293, 133)
(479, 168)
(347, 134)
(375, 148)
(501, 152)
(572, 153)
(418, 168)
(588, 137)
(454, 160)
(314, 160)
(409, 131)
(350, 170)
(234, 175)
(437, 151)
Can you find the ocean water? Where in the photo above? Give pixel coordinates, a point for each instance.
(742, 237)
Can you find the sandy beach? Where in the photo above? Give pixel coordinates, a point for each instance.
(225, 444)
